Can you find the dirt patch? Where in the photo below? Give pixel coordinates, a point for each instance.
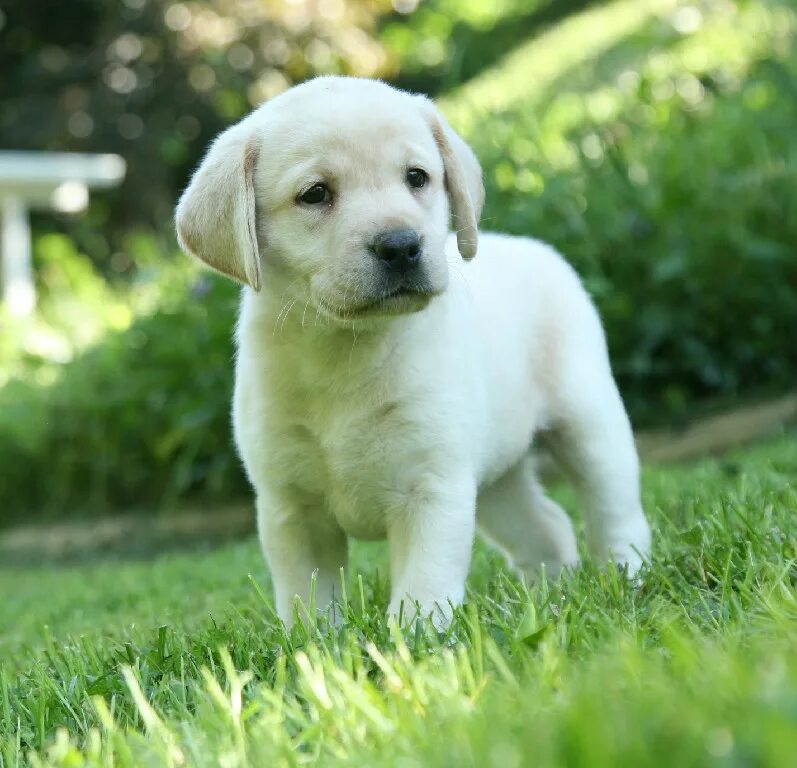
(717, 434)
(125, 537)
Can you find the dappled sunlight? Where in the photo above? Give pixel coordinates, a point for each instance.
(651, 50)
(527, 72)
(335, 28)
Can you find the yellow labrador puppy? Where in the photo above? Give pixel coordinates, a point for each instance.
(388, 383)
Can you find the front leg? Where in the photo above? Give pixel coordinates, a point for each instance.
(300, 539)
(431, 541)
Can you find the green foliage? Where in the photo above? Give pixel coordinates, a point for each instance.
(137, 663)
(652, 142)
(443, 43)
(141, 417)
(654, 147)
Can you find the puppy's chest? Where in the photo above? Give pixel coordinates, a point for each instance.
(363, 462)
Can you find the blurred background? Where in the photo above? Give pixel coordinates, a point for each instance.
(654, 142)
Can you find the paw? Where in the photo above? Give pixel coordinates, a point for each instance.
(552, 566)
(410, 611)
(628, 548)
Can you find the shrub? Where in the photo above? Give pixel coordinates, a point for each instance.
(140, 418)
(658, 153)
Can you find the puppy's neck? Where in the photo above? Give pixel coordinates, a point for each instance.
(320, 355)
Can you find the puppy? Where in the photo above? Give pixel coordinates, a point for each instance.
(388, 383)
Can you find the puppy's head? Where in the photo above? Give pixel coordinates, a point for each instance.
(343, 186)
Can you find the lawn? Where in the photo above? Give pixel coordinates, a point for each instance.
(178, 659)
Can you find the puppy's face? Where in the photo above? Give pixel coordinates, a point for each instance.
(342, 188)
(354, 203)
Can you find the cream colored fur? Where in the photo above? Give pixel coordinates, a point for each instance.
(411, 417)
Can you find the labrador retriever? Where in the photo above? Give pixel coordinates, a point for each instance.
(390, 382)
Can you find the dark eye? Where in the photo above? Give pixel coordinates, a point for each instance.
(417, 178)
(318, 193)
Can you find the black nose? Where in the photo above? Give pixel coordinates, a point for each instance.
(398, 249)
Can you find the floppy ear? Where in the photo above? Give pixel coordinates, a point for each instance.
(463, 179)
(215, 217)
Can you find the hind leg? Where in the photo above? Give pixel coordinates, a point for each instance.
(515, 514)
(596, 445)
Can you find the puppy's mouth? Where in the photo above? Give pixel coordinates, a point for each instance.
(399, 300)
(404, 292)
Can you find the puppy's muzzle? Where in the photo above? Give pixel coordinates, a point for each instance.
(399, 250)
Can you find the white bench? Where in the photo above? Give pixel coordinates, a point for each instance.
(57, 181)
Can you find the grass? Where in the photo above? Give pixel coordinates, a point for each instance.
(179, 661)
